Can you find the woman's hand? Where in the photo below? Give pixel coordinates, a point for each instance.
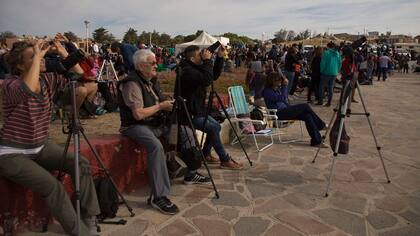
(40, 49)
(59, 49)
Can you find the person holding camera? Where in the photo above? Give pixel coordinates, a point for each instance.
(142, 107)
(198, 73)
(275, 97)
(127, 51)
(26, 155)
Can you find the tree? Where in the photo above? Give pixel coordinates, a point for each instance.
(6, 34)
(281, 35)
(290, 35)
(236, 39)
(131, 36)
(165, 40)
(178, 39)
(143, 37)
(102, 35)
(71, 36)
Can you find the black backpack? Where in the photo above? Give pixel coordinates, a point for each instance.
(107, 198)
(257, 114)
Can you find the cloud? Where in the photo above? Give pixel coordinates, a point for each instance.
(248, 17)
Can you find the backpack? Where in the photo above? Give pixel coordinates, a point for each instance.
(107, 197)
(257, 114)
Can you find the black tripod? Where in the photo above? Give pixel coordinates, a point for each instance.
(74, 130)
(180, 108)
(343, 108)
(209, 108)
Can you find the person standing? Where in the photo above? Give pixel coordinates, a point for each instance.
(291, 61)
(315, 75)
(330, 67)
(384, 61)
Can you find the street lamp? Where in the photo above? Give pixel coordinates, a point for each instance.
(87, 35)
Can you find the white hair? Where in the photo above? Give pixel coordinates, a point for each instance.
(140, 57)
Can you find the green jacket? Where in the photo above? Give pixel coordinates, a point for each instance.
(330, 62)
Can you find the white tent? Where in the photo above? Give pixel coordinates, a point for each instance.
(204, 40)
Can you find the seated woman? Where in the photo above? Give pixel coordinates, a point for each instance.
(275, 97)
(255, 80)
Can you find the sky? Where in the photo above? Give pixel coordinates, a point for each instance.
(253, 18)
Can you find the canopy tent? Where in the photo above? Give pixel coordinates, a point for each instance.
(204, 40)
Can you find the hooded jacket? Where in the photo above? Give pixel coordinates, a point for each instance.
(194, 82)
(330, 62)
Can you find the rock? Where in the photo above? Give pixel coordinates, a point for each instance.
(200, 210)
(300, 200)
(381, 219)
(231, 199)
(178, 227)
(349, 223)
(285, 177)
(348, 202)
(212, 227)
(229, 213)
(274, 205)
(260, 189)
(304, 223)
(137, 227)
(281, 230)
(250, 226)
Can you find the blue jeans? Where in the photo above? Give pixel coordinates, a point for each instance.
(326, 81)
(212, 129)
(290, 77)
(382, 71)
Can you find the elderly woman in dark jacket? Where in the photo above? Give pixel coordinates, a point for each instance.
(275, 97)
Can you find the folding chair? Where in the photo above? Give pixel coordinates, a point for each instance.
(241, 115)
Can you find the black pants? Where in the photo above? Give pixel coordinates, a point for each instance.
(314, 87)
(304, 112)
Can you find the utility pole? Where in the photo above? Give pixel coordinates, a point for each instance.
(87, 35)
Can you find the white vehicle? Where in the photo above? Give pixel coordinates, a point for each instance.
(308, 48)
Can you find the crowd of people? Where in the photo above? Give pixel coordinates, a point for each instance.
(27, 156)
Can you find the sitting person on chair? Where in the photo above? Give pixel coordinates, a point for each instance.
(26, 155)
(198, 73)
(142, 105)
(275, 97)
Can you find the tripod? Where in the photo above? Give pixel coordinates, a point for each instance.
(180, 106)
(343, 108)
(209, 106)
(105, 65)
(74, 130)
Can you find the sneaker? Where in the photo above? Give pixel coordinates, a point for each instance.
(232, 165)
(197, 178)
(164, 205)
(212, 159)
(92, 225)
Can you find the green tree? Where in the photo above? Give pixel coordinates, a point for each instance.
(144, 37)
(178, 39)
(131, 36)
(234, 38)
(102, 35)
(165, 40)
(71, 36)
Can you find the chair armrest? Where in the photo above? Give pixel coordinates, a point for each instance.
(248, 120)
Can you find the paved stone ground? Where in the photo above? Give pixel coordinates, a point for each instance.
(283, 193)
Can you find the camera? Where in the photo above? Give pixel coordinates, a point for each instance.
(214, 47)
(359, 42)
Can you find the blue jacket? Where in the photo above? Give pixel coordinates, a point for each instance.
(127, 51)
(276, 99)
(330, 62)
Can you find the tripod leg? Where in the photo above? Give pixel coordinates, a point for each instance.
(113, 70)
(373, 133)
(108, 175)
(101, 71)
(184, 107)
(233, 128)
(326, 132)
(209, 106)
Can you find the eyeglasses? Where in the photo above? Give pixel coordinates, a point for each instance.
(153, 63)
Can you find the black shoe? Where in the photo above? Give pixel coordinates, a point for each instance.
(164, 205)
(197, 178)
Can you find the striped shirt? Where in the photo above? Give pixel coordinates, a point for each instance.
(27, 115)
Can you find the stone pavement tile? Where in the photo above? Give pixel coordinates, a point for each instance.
(177, 228)
(370, 189)
(349, 223)
(414, 203)
(281, 230)
(391, 203)
(381, 219)
(411, 216)
(313, 189)
(240, 188)
(304, 223)
(285, 177)
(301, 200)
(409, 181)
(259, 188)
(201, 209)
(296, 161)
(274, 205)
(392, 189)
(154, 216)
(273, 159)
(225, 186)
(310, 172)
(248, 226)
(371, 163)
(197, 194)
(232, 176)
(229, 213)
(212, 227)
(348, 202)
(137, 227)
(230, 199)
(361, 176)
(405, 231)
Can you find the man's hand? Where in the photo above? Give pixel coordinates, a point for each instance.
(166, 105)
(59, 49)
(206, 54)
(40, 49)
(221, 51)
(285, 82)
